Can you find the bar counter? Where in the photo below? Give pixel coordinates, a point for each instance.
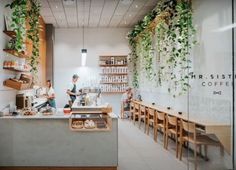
(47, 141)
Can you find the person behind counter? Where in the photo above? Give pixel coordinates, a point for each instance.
(126, 99)
(72, 90)
(50, 94)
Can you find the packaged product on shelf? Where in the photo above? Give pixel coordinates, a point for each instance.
(112, 60)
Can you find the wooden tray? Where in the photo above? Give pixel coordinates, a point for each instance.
(16, 85)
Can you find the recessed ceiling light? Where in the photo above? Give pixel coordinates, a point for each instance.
(126, 2)
(136, 6)
(130, 15)
(56, 6)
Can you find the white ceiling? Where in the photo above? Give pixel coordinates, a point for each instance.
(95, 13)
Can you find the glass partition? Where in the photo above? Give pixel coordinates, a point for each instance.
(210, 102)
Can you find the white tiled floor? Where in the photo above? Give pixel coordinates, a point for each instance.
(138, 151)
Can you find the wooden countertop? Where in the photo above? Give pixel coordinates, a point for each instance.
(186, 116)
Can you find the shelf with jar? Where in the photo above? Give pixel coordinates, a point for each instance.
(113, 88)
(11, 44)
(105, 61)
(114, 74)
(114, 70)
(16, 66)
(114, 78)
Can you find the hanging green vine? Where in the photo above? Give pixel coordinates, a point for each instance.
(173, 32)
(18, 17)
(135, 53)
(146, 45)
(33, 34)
(26, 11)
(181, 33)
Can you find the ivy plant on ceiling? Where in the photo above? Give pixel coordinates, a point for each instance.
(23, 12)
(33, 34)
(18, 17)
(176, 43)
(173, 32)
(133, 36)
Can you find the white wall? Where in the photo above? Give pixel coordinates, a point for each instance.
(7, 95)
(67, 58)
(211, 56)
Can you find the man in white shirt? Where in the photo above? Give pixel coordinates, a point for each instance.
(72, 90)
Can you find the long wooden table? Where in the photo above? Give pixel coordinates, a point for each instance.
(221, 129)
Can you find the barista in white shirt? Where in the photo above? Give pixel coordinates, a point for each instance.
(50, 94)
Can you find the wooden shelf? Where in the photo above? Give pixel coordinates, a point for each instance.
(13, 69)
(113, 65)
(113, 73)
(113, 82)
(91, 129)
(11, 34)
(107, 62)
(16, 53)
(113, 92)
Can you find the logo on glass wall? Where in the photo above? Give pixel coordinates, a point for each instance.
(215, 81)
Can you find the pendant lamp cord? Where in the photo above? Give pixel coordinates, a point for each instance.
(83, 36)
(83, 22)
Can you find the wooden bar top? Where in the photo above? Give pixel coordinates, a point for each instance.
(186, 116)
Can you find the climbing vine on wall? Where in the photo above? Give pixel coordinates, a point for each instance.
(33, 34)
(26, 12)
(18, 18)
(174, 33)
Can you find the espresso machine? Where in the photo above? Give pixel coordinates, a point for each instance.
(23, 101)
(89, 96)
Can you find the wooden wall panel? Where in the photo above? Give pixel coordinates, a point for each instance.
(42, 53)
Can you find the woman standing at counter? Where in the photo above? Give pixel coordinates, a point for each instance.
(50, 94)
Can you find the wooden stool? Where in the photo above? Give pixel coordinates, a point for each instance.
(150, 120)
(160, 124)
(136, 112)
(188, 133)
(142, 116)
(131, 110)
(172, 128)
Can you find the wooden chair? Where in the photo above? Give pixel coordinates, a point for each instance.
(160, 125)
(172, 128)
(122, 110)
(136, 111)
(142, 116)
(150, 119)
(122, 113)
(188, 133)
(131, 110)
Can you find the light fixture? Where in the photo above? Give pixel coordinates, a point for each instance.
(83, 57)
(83, 50)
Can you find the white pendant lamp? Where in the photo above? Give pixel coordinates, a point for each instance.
(83, 57)
(83, 51)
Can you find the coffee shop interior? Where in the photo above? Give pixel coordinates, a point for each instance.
(117, 84)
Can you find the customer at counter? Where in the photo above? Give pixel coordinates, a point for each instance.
(72, 90)
(50, 94)
(126, 99)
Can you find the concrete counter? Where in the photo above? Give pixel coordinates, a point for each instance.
(47, 141)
